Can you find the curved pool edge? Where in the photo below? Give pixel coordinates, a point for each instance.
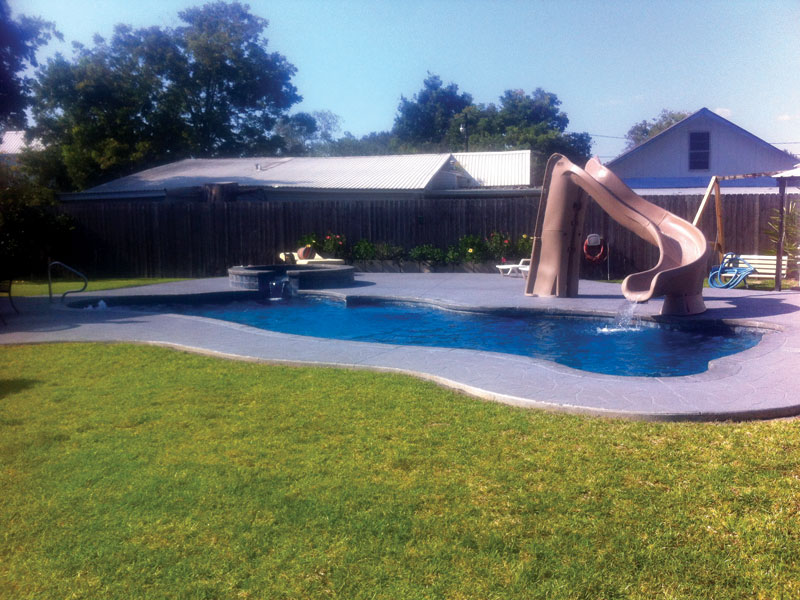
(777, 412)
(755, 384)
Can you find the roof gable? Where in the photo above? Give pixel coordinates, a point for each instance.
(703, 113)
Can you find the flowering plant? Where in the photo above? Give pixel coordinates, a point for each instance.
(333, 245)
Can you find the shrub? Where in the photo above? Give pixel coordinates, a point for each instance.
(523, 246)
(499, 246)
(472, 248)
(427, 253)
(31, 229)
(791, 231)
(364, 250)
(386, 251)
(333, 245)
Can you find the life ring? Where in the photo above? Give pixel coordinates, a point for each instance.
(595, 257)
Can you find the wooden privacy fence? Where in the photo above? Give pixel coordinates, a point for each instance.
(194, 236)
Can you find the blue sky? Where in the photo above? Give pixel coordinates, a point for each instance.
(611, 63)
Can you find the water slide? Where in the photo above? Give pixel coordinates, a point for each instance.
(558, 240)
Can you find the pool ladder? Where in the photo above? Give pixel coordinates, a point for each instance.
(68, 268)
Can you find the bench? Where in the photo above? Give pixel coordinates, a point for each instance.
(764, 266)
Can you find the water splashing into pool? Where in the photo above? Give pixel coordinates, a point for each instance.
(625, 321)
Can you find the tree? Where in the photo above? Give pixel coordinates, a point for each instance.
(644, 130)
(208, 88)
(424, 121)
(19, 41)
(235, 91)
(296, 132)
(372, 144)
(30, 230)
(521, 121)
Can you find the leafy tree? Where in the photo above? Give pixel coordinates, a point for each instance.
(372, 144)
(324, 140)
(521, 121)
(424, 121)
(19, 41)
(208, 88)
(296, 133)
(235, 90)
(644, 130)
(30, 228)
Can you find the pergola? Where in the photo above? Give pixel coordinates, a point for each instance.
(785, 178)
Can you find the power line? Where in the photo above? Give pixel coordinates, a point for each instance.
(612, 137)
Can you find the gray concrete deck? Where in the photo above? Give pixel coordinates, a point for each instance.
(759, 383)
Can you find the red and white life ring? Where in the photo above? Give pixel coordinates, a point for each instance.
(595, 253)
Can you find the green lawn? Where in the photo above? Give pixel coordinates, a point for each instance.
(141, 472)
(39, 287)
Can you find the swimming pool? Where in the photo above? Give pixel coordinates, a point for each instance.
(588, 344)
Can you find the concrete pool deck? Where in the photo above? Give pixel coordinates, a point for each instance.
(759, 383)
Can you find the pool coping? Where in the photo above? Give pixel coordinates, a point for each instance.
(755, 384)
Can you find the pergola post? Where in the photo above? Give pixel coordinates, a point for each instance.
(781, 234)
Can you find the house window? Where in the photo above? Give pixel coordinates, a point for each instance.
(699, 150)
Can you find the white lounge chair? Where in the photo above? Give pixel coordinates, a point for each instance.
(523, 266)
(293, 259)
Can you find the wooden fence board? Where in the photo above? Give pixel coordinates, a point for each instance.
(188, 236)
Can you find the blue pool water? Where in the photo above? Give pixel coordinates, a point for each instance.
(588, 344)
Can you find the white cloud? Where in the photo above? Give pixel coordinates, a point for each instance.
(786, 117)
(725, 113)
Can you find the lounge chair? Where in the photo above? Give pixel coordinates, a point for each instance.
(523, 266)
(294, 259)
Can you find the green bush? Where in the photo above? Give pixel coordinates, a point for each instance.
(364, 250)
(31, 229)
(427, 253)
(791, 231)
(523, 246)
(386, 251)
(499, 246)
(472, 248)
(334, 245)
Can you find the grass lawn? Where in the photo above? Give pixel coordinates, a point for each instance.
(141, 472)
(39, 287)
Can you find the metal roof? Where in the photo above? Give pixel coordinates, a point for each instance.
(388, 172)
(497, 169)
(13, 142)
(790, 174)
(398, 172)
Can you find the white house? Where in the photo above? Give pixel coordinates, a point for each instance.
(700, 146)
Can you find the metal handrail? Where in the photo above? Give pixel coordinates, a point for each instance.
(68, 268)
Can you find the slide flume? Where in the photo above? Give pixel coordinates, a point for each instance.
(555, 259)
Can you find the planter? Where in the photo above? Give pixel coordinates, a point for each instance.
(411, 266)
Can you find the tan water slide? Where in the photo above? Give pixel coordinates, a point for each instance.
(558, 239)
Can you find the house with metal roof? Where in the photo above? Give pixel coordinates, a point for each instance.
(693, 150)
(419, 173)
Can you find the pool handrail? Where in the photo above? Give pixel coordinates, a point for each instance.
(68, 268)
